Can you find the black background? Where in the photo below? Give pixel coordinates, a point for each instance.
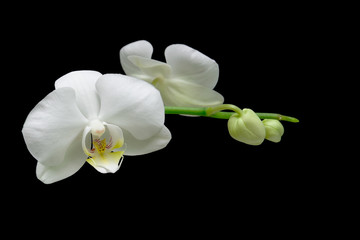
(204, 177)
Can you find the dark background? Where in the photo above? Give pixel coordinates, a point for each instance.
(265, 53)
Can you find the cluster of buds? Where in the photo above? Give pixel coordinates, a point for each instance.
(248, 128)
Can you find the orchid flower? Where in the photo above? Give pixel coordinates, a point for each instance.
(94, 118)
(186, 79)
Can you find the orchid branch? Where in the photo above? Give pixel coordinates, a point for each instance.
(221, 112)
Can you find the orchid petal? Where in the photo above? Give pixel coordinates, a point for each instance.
(135, 146)
(52, 126)
(83, 82)
(74, 159)
(185, 94)
(132, 104)
(151, 68)
(191, 65)
(140, 48)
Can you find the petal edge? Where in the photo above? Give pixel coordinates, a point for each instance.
(191, 65)
(52, 125)
(139, 48)
(74, 159)
(132, 104)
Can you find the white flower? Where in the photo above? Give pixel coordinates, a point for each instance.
(186, 79)
(94, 118)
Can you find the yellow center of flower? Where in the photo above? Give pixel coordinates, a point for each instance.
(105, 153)
(103, 158)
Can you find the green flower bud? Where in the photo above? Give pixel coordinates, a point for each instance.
(247, 127)
(274, 130)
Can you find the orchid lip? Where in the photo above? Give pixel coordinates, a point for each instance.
(106, 149)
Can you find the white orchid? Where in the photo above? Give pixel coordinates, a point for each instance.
(186, 79)
(94, 118)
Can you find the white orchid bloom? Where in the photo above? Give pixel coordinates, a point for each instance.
(186, 79)
(94, 118)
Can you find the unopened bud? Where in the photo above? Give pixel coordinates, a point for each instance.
(247, 127)
(274, 130)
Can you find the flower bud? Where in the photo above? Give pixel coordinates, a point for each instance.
(274, 130)
(247, 127)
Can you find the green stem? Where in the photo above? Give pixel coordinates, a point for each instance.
(277, 116)
(216, 112)
(186, 110)
(213, 110)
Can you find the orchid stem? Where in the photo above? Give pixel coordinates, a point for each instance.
(217, 112)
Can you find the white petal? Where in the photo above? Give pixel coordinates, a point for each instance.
(191, 65)
(83, 82)
(151, 68)
(138, 147)
(140, 48)
(116, 135)
(73, 160)
(86, 139)
(133, 105)
(185, 94)
(52, 126)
